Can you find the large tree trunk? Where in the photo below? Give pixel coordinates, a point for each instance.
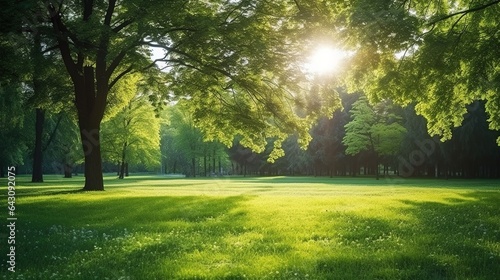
(37, 175)
(90, 112)
(92, 152)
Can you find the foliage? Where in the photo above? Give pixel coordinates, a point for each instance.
(60, 144)
(133, 134)
(441, 55)
(373, 129)
(13, 139)
(240, 87)
(183, 144)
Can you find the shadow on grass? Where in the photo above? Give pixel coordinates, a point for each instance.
(459, 239)
(134, 237)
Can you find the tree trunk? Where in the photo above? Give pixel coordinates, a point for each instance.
(90, 112)
(205, 165)
(122, 164)
(92, 152)
(122, 170)
(68, 170)
(193, 166)
(126, 169)
(37, 175)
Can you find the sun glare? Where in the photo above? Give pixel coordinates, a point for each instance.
(325, 60)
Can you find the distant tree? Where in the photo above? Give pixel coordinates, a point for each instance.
(132, 136)
(13, 138)
(185, 147)
(375, 130)
(326, 148)
(63, 151)
(245, 160)
(472, 151)
(296, 159)
(49, 86)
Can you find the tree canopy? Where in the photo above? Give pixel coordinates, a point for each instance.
(440, 55)
(250, 85)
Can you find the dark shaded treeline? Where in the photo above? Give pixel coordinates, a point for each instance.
(471, 153)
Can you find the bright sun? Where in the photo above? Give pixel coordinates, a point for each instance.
(325, 60)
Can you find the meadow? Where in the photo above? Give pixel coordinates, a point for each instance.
(153, 227)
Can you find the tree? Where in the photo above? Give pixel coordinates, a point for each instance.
(183, 145)
(375, 130)
(250, 85)
(133, 135)
(327, 148)
(38, 68)
(49, 87)
(63, 150)
(13, 139)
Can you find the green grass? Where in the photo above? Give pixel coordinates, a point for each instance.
(149, 227)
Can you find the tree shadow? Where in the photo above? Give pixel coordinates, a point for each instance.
(135, 237)
(454, 239)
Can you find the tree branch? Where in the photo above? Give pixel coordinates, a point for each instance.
(62, 41)
(122, 25)
(116, 61)
(117, 78)
(88, 6)
(109, 12)
(192, 58)
(53, 133)
(474, 9)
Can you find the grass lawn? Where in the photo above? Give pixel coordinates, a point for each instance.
(150, 227)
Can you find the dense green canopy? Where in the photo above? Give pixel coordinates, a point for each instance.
(441, 55)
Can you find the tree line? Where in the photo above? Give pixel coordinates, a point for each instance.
(380, 139)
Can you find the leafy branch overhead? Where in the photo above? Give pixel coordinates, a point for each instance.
(441, 56)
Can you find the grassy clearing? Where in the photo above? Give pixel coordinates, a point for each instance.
(257, 228)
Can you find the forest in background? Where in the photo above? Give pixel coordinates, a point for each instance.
(170, 143)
